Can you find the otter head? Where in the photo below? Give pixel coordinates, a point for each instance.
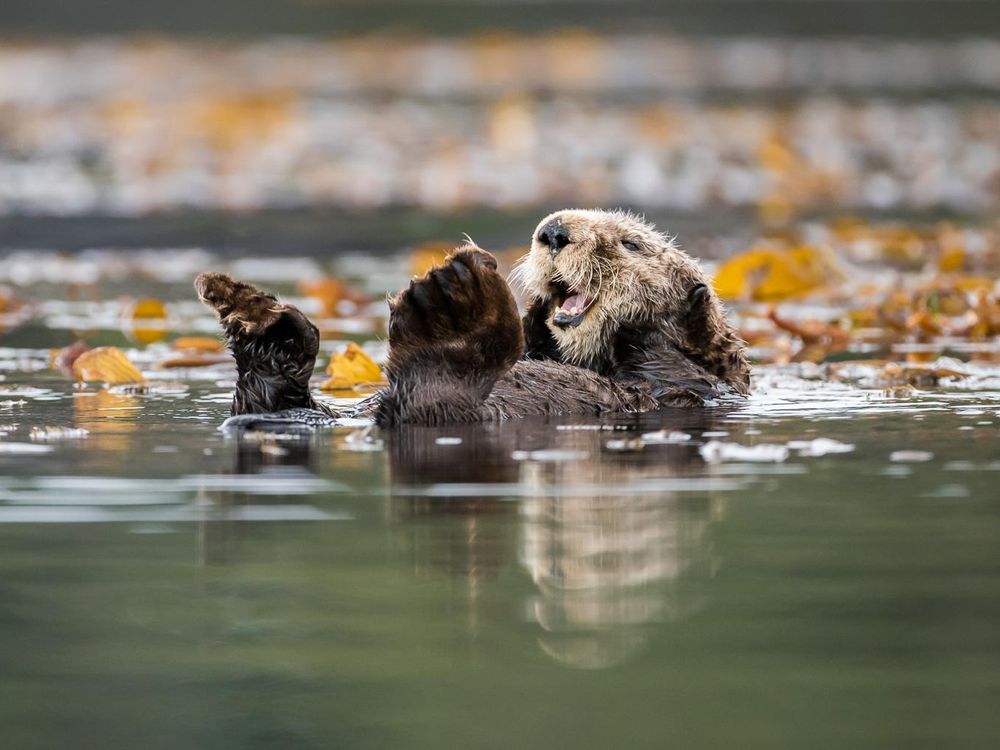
(599, 274)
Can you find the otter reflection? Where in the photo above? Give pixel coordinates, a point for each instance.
(253, 454)
(609, 544)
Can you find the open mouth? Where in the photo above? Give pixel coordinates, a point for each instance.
(573, 307)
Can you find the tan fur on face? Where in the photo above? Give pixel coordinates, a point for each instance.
(647, 286)
(626, 285)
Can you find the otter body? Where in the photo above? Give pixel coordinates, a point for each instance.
(618, 320)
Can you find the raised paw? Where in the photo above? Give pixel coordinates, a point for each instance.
(462, 312)
(239, 305)
(274, 345)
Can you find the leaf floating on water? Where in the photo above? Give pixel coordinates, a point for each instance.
(330, 292)
(350, 368)
(764, 273)
(915, 376)
(427, 255)
(194, 359)
(146, 321)
(108, 364)
(197, 344)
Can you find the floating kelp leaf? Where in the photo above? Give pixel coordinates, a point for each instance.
(425, 256)
(915, 375)
(206, 344)
(766, 273)
(330, 292)
(193, 359)
(350, 368)
(108, 364)
(146, 321)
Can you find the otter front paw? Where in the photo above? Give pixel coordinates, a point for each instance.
(240, 305)
(461, 314)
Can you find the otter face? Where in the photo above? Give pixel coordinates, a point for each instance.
(602, 271)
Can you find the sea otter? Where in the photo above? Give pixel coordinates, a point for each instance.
(618, 320)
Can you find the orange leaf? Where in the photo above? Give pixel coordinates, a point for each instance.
(330, 292)
(193, 359)
(427, 255)
(197, 344)
(107, 363)
(351, 367)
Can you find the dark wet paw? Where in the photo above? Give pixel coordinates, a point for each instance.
(463, 310)
(239, 305)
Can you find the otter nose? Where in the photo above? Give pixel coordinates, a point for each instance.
(554, 235)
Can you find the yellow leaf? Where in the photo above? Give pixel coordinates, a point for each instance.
(146, 321)
(766, 273)
(107, 363)
(351, 367)
(951, 260)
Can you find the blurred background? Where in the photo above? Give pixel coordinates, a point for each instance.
(318, 125)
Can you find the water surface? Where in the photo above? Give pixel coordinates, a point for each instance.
(815, 567)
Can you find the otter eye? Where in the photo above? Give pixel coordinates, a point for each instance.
(630, 246)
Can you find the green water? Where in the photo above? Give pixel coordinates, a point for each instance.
(419, 594)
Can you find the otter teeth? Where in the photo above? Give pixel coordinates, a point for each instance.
(571, 311)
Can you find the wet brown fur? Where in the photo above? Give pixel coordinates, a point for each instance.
(274, 345)
(459, 351)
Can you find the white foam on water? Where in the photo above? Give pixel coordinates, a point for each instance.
(25, 448)
(910, 456)
(550, 455)
(515, 490)
(715, 451)
(180, 514)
